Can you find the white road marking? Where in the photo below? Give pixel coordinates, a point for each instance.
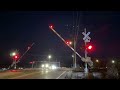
(60, 75)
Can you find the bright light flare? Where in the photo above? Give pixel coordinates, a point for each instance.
(13, 54)
(46, 65)
(53, 67)
(42, 65)
(97, 60)
(73, 56)
(51, 26)
(70, 42)
(49, 56)
(16, 57)
(113, 61)
(67, 42)
(90, 47)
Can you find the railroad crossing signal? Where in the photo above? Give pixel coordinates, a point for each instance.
(86, 36)
(87, 59)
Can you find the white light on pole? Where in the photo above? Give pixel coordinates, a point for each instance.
(49, 56)
(97, 61)
(113, 61)
(13, 54)
(73, 56)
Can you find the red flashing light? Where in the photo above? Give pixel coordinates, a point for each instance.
(16, 57)
(69, 42)
(89, 47)
(31, 62)
(51, 26)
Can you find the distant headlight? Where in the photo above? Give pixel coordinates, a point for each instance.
(53, 67)
(42, 65)
(46, 65)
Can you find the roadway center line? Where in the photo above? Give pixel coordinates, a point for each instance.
(60, 75)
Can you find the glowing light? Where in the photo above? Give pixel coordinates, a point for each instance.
(90, 47)
(72, 55)
(49, 56)
(53, 67)
(16, 57)
(97, 60)
(13, 54)
(70, 42)
(46, 71)
(42, 65)
(113, 61)
(51, 26)
(46, 65)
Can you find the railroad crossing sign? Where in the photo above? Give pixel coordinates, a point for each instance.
(86, 36)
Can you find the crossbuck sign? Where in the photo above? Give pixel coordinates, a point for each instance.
(86, 36)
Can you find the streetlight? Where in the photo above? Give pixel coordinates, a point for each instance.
(113, 61)
(49, 57)
(14, 53)
(97, 61)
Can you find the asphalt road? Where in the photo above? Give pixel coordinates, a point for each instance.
(35, 74)
(44, 74)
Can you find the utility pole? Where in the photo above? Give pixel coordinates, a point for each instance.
(86, 39)
(86, 69)
(75, 51)
(15, 64)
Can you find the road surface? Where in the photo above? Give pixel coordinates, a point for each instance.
(35, 74)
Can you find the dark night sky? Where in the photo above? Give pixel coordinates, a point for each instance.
(19, 29)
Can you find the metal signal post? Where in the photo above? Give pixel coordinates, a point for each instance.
(86, 39)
